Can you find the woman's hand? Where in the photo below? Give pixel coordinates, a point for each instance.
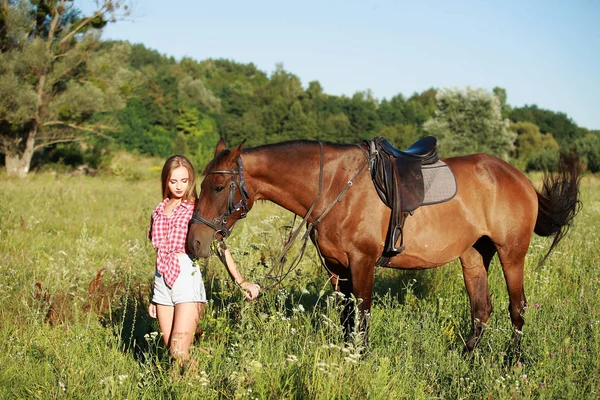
(250, 290)
(152, 310)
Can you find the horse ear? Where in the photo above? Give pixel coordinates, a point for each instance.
(220, 146)
(235, 153)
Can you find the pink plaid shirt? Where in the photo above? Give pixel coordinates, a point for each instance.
(168, 236)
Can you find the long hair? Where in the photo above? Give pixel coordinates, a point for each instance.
(172, 163)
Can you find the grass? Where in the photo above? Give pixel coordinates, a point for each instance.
(69, 332)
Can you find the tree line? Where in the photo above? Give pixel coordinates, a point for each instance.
(68, 97)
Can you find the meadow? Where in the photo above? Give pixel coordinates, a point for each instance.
(75, 277)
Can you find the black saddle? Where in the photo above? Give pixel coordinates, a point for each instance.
(424, 149)
(398, 179)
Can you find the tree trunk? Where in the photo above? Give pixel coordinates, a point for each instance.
(19, 164)
(16, 166)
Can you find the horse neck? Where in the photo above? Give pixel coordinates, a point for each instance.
(286, 174)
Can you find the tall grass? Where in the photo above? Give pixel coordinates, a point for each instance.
(69, 333)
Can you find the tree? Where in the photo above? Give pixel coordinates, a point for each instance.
(54, 76)
(589, 148)
(401, 135)
(530, 139)
(362, 113)
(501, 95)
(564, 130)
(470, 121)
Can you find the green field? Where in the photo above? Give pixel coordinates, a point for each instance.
(66, 335)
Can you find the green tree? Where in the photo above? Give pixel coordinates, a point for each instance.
(401, 135)
(564, 130)
(193, 91)
(421, 107)
(470, 121)
(362, 112)
(501, 95)
(335, 128)
(54, 77)
(589, 148)
(298, 124)
(530, 139)
(196, 135)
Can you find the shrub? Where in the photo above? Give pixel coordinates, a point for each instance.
(545, 160)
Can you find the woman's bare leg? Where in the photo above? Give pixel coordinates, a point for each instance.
(185, 320)
(165, 321)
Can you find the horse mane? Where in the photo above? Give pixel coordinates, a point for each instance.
(291, 144)
(294, 144)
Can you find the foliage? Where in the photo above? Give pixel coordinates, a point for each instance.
(287, 343)
(55, 80)
(119, 95)
(530, 139)
(543, 160)
(470, 121)
(562, 128)
(589, 148)
(529, 142)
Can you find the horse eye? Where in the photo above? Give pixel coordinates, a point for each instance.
(219, 188)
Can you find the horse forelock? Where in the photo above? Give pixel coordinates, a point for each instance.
(215, 161)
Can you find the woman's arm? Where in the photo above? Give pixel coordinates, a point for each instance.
(250, 289)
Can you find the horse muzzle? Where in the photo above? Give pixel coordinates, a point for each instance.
(200, 238)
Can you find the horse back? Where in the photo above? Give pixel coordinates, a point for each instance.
(493, 199)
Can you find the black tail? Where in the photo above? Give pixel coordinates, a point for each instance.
(559, 201)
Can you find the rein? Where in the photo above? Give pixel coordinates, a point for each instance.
(219, 224)
(310, 227)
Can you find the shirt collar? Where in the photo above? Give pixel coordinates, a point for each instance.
(184, 203)
(187, 204)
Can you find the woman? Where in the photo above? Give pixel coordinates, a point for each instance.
(179, 295)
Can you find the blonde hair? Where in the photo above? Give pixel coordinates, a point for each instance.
(171, 164)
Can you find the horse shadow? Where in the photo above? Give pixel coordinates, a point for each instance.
(311, 291)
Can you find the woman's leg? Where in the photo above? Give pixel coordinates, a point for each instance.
(185, 320)
(165, 321)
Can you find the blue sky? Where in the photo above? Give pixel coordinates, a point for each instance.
(542, 52)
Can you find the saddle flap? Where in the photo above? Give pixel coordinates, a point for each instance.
(410, 179)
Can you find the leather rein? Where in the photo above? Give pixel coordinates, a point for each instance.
(219, 224)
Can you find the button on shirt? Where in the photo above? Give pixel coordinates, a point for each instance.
(168, 234)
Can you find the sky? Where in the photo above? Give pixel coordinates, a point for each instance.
(543, 52)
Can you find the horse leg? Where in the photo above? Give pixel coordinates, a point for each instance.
(513, 264)
(357, 287)
(475, 263)
(339, 277)
(348, 315)
(362, 276)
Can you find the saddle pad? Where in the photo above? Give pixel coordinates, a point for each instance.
(440, 183)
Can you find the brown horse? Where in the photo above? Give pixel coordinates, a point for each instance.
(495, 210)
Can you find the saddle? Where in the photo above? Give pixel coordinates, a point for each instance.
(398, 179)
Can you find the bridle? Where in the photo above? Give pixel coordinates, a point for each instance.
(219, 224)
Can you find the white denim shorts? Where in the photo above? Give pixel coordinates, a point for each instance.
(188, 287)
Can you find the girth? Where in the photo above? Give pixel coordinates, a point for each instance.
(398, 179)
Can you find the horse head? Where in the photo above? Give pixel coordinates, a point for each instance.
(223, 200)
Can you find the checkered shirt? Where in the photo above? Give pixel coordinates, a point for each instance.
(168, 236)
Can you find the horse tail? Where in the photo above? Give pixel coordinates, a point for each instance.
(558, 200)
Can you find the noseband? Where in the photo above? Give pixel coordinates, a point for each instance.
(219, 224)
